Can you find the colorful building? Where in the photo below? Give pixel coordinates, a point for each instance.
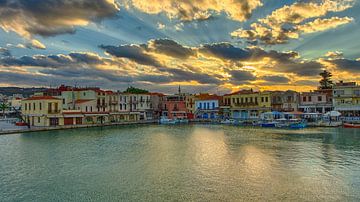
(347, 98)
(42, 111)
(174, 107)
(319, 101)
(207, 106)
(285, 101)
(248, 104)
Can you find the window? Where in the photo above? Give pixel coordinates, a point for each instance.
(234, 100)
(208, 105)
(246, 100)
(251, 99)
(25, 106)
(266, 99)
(34, 106)
(120, 106)
(309, 98)
(84, 94)
(38, 119)
(304, 99)
(40, 107)
(319, 98)
(63, 101)
(213, 105)
(242, 100)
(200, 105)
(256, 99)
(29, 106)
(86, 108)
(237, 100)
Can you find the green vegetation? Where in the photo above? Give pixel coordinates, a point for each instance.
(135, 90)
(3, 107)
(326, 82)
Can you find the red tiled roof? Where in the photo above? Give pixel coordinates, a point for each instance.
(159, 94)
(42, 98)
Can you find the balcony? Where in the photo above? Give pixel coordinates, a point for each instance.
(248, 104)
(56, 111)
(101, 105)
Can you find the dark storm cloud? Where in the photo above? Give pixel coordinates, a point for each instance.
(51, 17)
(132, 52)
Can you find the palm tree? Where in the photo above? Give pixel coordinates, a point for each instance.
(3, 107)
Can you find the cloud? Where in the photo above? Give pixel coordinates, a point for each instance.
(51, 17)
(343, 64)
(241, 77)
(276, 79)
(334, 54)
(239, 10)
(289, 22)
(37, 44)
(5, 52)
(132, 52)
(170, 48)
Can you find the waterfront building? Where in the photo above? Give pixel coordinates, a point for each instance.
(248, 104)
(174, 107)
(157, 100)
(138, 106)
(319, 101)
(225, 106)
(285, 101)
(347, 98)
(207, 106)
(190, 104)
(42, 111)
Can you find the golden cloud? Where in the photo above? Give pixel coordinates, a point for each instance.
(271, 29)
(239, 10)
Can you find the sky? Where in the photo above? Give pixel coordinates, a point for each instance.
(215, 46)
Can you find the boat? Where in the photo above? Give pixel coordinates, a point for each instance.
(167, 121)
(269, 124)
(282, 123)
(181, 121)
(351, 125)
(228, 121)
(298, 125)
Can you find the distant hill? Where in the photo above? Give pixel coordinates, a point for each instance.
(26, 92)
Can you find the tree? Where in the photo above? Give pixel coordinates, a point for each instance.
(326, 82)
(3, 107)
(135, 90)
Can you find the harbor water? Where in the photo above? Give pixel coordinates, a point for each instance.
(181, 163)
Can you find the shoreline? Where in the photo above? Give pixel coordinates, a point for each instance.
(41, 129)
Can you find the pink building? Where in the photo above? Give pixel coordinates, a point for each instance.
(174, 107)
(316, 102)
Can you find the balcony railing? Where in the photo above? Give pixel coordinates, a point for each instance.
(248, 104)
(53, 111)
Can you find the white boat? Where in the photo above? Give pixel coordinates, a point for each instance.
(228, 121)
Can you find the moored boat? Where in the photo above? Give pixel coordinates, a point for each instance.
(298, 125)
(351, 125)
(269, 124)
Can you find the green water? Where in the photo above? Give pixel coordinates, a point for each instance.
(181, 163)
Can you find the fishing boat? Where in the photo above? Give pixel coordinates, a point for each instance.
(271, 124)
(351, 125)
(297, 124)
(282, 123)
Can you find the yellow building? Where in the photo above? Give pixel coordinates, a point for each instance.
(190, 103)
(247, 104)
(42, 111)
(346, 98)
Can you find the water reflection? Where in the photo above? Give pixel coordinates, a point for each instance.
(186, 163)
